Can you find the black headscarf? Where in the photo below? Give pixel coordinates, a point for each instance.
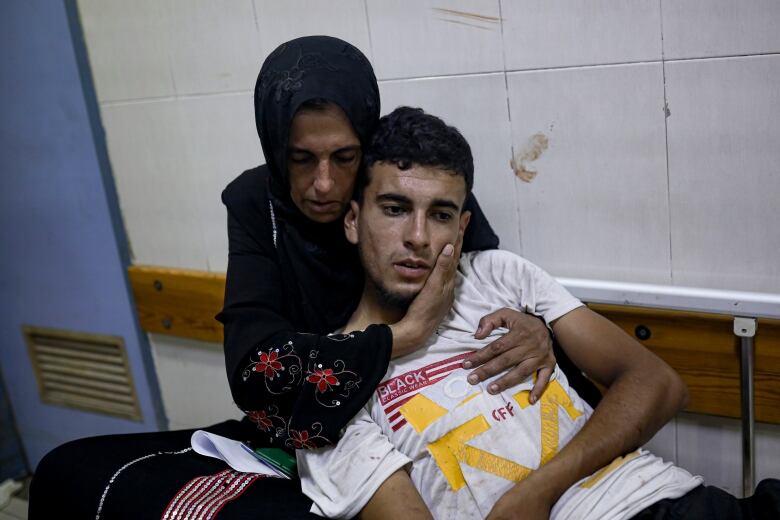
(317, 257)
(312, 67)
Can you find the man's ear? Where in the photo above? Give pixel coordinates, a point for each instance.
(465, 217)
(351, 222)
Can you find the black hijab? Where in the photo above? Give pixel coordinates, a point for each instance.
(317, 258)
(312, 67)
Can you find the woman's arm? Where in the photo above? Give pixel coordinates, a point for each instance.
(301, 389)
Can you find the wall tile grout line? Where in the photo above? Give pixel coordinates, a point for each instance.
(254, 14)
(516, 71)
(130, 101)
(666, 148)
(169, 54)
(724, 57)
(579, 66)
(518, 215)
(368, 28)
(162, 99)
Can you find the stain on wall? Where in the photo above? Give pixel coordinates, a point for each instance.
(530, 152)
(476, 20)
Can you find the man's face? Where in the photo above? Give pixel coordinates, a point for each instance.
(405, 220)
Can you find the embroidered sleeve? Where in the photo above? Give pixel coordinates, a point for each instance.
(303, 392)
(299, 389)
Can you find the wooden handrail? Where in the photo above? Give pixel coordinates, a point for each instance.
(178, 302)
(701, 347)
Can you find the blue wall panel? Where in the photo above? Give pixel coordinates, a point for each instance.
(62, 262)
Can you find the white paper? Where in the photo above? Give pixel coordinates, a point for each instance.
(234, 453)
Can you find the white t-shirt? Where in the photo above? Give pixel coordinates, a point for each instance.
(464, 447)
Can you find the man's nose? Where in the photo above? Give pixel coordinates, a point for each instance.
(323, 182)
(417, 236)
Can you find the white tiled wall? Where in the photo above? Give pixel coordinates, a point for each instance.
(605, 157)
(278, 22)
(712, 446)
(418, 38)
(723, 134)
(664, 443)
(559, 33)
(158, 199)
(622, 192)
(624, 189)
(193, 383)
(219, 136)
(129, 48)
(707, 28)
(213, 45)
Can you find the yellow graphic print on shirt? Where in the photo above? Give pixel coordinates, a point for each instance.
(451, 450)
(552, 398)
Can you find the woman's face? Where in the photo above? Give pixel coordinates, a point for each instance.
(323, 156)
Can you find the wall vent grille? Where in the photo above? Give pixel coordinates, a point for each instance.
(84, 371)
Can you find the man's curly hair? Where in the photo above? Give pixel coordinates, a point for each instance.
(408, 136)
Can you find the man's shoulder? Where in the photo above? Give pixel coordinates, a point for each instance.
(506, 279)
(495, 262)
(496, 275)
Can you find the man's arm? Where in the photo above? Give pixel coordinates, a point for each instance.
(396, 498)
(643, 394)
(362, 475)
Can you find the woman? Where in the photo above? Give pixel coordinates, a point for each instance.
(292, 277)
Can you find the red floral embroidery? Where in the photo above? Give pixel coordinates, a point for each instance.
(323, 378)
(268, 364)
(300, 440)
(261, 418)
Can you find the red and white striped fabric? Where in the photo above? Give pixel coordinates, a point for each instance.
(203, 497)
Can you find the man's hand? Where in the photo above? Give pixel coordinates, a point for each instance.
(524, 501)
(524, 350)
(431, 305)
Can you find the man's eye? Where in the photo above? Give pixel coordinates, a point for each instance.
(392, 210)
(443, 216)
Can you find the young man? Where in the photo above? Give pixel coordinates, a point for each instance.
(430, 443)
